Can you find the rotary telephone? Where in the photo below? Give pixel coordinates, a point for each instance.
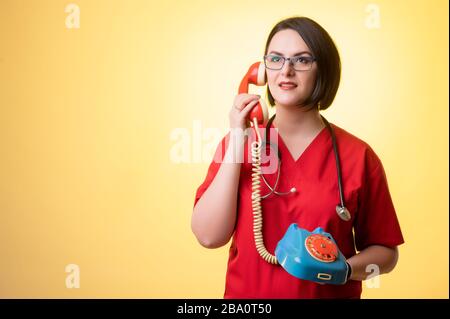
(306, 255)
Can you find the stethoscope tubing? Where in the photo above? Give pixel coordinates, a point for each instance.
(336, 156)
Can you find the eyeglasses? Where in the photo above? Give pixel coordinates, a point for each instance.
(300, 63)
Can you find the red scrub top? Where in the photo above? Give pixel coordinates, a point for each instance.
(314, 175)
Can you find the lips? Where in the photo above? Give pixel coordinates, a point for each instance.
(287, 84)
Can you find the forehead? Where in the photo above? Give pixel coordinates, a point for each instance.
(288, 42)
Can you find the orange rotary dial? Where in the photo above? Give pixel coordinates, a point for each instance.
(321, 248)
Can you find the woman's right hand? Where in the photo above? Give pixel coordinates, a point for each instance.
(243, 104)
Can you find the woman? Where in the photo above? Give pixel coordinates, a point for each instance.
(298, 88)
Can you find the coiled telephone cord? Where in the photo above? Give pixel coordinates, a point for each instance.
(256, 198)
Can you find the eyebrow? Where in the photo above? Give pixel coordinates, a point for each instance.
(298, 53)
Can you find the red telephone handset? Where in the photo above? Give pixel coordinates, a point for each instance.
(256, 75)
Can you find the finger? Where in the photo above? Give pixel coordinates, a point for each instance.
(248, 107)
(245, 100)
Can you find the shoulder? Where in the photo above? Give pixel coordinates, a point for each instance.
(348, 139)
(354, 150)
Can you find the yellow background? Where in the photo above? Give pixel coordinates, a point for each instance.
(86, 118)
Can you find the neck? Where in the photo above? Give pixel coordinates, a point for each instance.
(295, 120)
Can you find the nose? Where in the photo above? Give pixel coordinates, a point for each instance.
(288, 68)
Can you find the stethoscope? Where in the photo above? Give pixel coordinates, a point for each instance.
(341, 210)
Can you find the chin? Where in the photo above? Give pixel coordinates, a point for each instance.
(284, 101)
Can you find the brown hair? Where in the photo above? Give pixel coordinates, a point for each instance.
(327, 56)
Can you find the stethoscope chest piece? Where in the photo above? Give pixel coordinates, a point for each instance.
(343, 213)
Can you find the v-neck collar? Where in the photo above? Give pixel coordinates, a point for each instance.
(308, 148)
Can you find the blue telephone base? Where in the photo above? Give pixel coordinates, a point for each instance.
(293, 256)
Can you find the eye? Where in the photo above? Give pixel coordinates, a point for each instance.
(275, 58)
(304, 60)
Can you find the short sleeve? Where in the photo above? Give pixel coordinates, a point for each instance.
(376, 222)
(213, 167)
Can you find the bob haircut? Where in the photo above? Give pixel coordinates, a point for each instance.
(327, 56)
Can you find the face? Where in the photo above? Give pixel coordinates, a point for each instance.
(289, 43)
